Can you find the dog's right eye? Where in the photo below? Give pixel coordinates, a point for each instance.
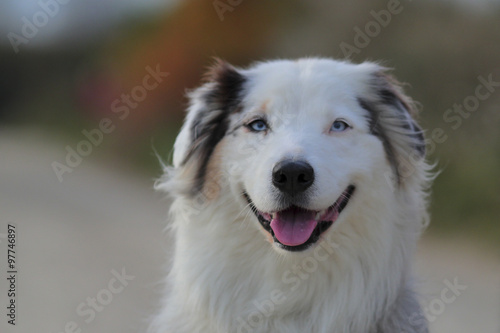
(257, 125)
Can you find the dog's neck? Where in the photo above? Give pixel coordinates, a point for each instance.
(352, 282)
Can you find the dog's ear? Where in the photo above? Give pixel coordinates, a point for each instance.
(207, 121)
(391, 117)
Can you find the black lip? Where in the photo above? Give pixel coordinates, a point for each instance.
(320, 228)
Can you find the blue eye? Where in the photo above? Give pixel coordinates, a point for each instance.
(339, 126)
(258, 125)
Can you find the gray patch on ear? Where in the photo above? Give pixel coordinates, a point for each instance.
(220, 98)
(389, 115)
(419, 135)
(377, 130)
(391, 94)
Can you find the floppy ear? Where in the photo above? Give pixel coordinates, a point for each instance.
(207, 122)
(391, 118)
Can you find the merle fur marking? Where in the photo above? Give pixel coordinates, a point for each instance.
(222, 98)
(377, 130)
(389, 96)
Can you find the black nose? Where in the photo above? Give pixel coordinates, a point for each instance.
(293, 177)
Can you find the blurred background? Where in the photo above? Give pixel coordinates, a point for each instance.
(90, 91)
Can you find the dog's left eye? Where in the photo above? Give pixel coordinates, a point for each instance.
(257, 125)
(339, 126)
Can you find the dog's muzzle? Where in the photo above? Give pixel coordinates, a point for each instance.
(296, 228)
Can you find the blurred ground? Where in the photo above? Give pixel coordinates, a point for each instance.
(73, 235)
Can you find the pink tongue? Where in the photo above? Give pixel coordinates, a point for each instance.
(293, 226)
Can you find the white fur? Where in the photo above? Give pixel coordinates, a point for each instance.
(228, 277)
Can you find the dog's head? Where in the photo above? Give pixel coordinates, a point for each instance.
(297, 143)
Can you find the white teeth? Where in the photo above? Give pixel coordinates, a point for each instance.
(318, 215)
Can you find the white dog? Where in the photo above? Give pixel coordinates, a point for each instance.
(299, 194)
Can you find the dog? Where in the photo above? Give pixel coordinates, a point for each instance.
(299, 193)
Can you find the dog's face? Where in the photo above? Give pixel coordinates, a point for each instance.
(296, 142)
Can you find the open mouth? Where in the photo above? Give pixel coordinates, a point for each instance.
(296, 228)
